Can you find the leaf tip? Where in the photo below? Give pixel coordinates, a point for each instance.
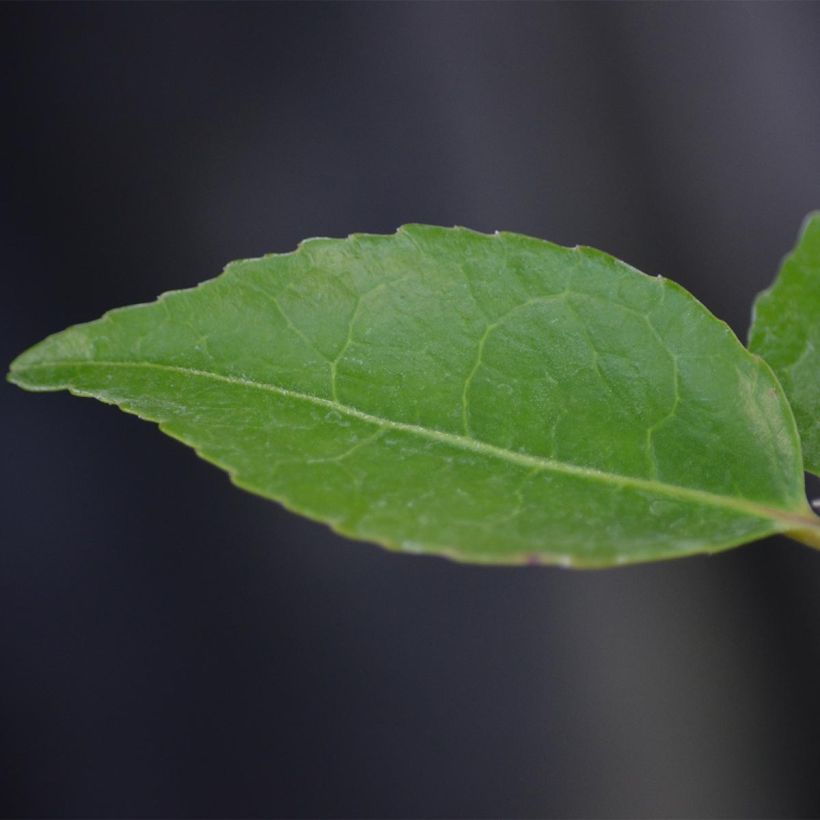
(810, 222)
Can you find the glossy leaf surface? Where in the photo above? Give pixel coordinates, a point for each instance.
(786, 332)
(490, 398)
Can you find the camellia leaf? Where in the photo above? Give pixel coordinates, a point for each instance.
(786, 332)
(490, 398)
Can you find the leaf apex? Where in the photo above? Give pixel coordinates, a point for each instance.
(810, 222)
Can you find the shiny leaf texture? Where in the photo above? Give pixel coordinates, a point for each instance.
(786, 332)
(492, 398)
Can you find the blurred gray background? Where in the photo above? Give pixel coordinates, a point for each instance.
(174, 647)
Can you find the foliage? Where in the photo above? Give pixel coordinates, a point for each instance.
(489, 398)
(786, 333)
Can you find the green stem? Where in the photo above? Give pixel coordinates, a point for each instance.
(807, 532)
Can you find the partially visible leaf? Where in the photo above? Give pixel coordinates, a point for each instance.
(491, 398)
(786, 333)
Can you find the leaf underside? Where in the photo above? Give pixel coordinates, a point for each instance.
(492, 398)
(786, 332)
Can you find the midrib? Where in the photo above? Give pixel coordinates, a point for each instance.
(789, 519)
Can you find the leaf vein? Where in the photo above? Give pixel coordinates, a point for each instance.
(786, 518)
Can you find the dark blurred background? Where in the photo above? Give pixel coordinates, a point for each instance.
(173, 646)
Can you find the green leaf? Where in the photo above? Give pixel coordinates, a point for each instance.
(490, 398)
(786, 333)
